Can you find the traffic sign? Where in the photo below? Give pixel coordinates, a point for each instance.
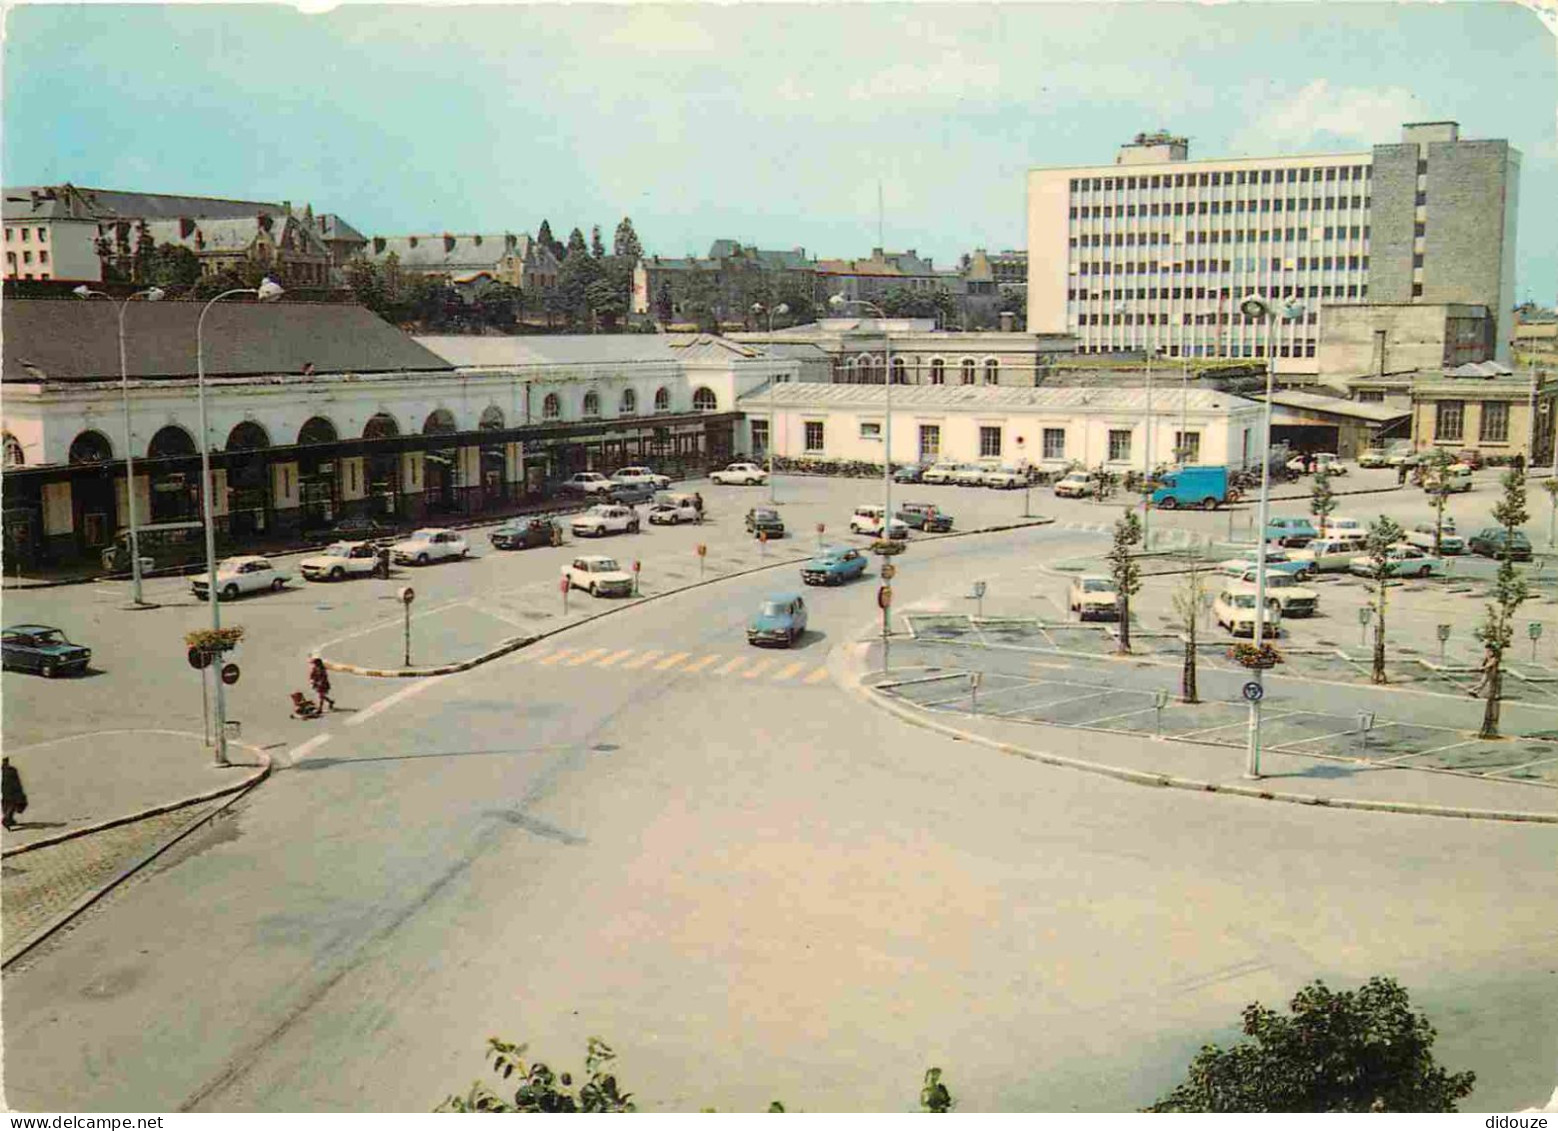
(821, 528)
(407, 595)
(562, 585)
(229, 674)
(200, 658)
(636, 565)
(702, 550)
(1254, 692)
(889, 571)
(884, 596)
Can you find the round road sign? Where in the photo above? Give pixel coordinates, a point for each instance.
(889, 571)
(1254, 692)
(407, 595)
(200, 658)
(702, 549)
(884, 596)
(229, 674)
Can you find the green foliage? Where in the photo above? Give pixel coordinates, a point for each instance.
(625, 245)
(1384, 533)
(1322, 499)
(546, 239)
(1187, 609)
(576, 243)
(900, 302)
(1510, 591)
(1436, 481)
(216, 640)
(1125, 571)
(1355, 1051)
(597, 248)
(934, 1096)
(169, 265)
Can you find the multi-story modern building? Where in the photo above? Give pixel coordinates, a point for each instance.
(1155, 251)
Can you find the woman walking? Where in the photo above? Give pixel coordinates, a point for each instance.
(319, 680)
(13, 798)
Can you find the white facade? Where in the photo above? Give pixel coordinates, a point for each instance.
(1051, 428)
(51, 248)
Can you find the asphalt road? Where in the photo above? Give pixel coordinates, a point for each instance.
(755, 887)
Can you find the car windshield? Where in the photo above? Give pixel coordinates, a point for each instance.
(776, 608)
(338, 550)
(1243, 600)
(1097, 585)
(765, 515)
(49, 636)
(230, 565)
(604, 565)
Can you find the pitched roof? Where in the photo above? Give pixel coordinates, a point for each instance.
(72, 340)
(469, 351)
(973, 398)
(1375, 413)
(448, 251)
(106, 204)
(332, 227)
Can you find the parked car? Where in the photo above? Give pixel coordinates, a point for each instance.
(1330, 553)
(1323, 461)
(599, 576)
(341, 560)
(740, 475)
(764, 520)
(1092, 595)
(938, 473)
(1422, 536)
(834, 566)
(968, 475)
(430, 545)
(631, 494)
(924, 516)
(910, 473)
(1456, 477)
(781, 619)
(603, 519)
(1277, 561)
(1471, 457)
(523, 533)
(1399, 453)
(1490, 542)
(1293, 532)
(353, 528)
(1374, 457)
(1007, 477)
(1294, 599)
(867, 519)
(641, 477)
(587, 483)
(1345, 526)
(39, 648)
(247, 574)
(665, 512)
(1234, 609)
(1401, 560)
(1075, 485)
(162, 545)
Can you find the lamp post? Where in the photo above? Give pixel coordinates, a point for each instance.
(782, 308)
(150, 294)
(837, 301)
(265, 292)
(1254, 308)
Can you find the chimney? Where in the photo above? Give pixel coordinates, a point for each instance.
(265, 221)
(510, 242)
(186, 227)
(449, 243)
(1008, 321)
(411, 241)
(378, 245)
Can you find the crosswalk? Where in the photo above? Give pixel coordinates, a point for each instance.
(774, 668)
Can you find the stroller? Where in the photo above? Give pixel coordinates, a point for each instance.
(304, 707)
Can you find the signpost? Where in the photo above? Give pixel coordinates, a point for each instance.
(884, 601)
(407, 595)
(703, 552)
(762, 543)
(889, 571)
(229, 674)
(1365, 614)
(1365, 724)
(1444, 635)
(974, 680)
(1534, 631)
(1253, 691)
(978, 594)
(1159, 701)
(563, 585)
(637, 565)
(820, 528)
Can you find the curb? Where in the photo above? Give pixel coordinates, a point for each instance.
(854, 682)
(155, 811)
(518, 642)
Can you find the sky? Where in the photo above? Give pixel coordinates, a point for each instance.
(772, 124)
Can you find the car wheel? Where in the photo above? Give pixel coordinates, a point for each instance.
(336, 573)
(277, 585)
(48, 671)
(1169, 503)
(1425, 571)
(592, 590)
(633, 528)
(1209, 504)
(422, 559)
(229, 591)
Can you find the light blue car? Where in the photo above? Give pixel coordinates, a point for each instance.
(780, 620)
(1277, 561)
(834, 566)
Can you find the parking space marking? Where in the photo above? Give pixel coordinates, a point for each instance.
(671, 661)
(303, 750)
(1421, 753)
(641, 661)
(1111, 718)
(555, 656)
(790, 670)
(1029, 708)
(615, 657)
(699, 665)
(1523, 766)
(731, 666)
(756, 670)
(389, 701)
(817, 676)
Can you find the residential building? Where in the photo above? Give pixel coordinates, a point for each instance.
(1486, 407)
(285, 247)
(884, 272)
(467, 260)
(1359, 339)
(1155, 251)
(1050, 428)
(341, 240)
(50, 235)
(728, 282)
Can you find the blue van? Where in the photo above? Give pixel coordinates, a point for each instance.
(1205, 487)
(1292, 532)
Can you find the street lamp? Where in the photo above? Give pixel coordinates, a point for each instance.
(782, 308)
(838, 301)
(150, 294)
(1255, 309)
(1146, 500)
(267, 291)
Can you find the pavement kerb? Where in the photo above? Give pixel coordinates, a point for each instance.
(155, 811)
(851, 674)
(516, 643)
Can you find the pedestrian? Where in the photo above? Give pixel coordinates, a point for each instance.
(1520, 463)
(13, 798)
(381, 564)
(319, 679)
(1489, 662)
(1401, 474)
(697, 504)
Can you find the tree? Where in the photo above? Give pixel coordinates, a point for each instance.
(1322, 500)
(1436, 480)
(368, 287)
(170, 265)
(546, 239)
(575, 243)
(1383, 534)
(1497, 630)
(625, 245)
(1360, 1050)
(597, 249)
(578, 272)
(1187, 608)
(145, 246)
(1125, 571)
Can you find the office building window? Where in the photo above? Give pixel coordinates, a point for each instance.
(1417, 290)
(1495, 422)
(992, 371)
(814, 436)
(1054, 443)
(1187, 446)
(1449, 417)
(989, 442)
(930, 441)
(968, 371)
(1119, 444)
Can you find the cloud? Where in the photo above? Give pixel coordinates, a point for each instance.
(1319, 113)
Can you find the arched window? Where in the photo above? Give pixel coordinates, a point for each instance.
(91, 447)
(992, 371)
(850, 374)
(938, 371)
(968, 371)
(170, 440)
(13, 451)
(662, 399)
(380, 426)
(551, 407)
(491, 419)
(629, 404)
(317, 430)
(592, 403)
(247, 435)
(879, 370)
(704, 400)
(439, 422)
(900, 371)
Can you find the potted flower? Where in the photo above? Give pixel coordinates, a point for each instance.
(1261, 655)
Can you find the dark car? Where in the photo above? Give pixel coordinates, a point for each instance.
(924, 516)
(765, 520)
(355, 528)
(523, 533)
(1489, 542)
(631, 494)
(910, 473)
(39, 648)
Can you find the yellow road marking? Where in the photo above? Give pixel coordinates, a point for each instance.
(791, 670)
(699, 665)
(609, 660)
(586, 657)
(756, 670)
(817, 676)
(555, 656)
(731, 666)
(671, 661)
(642, 660)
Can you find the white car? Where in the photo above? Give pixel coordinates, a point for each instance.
(1324, 461)
(239, 575)
(1234, 609)
(1006, 477)
(598, 576)
(430, 545)
(668, 513)
(1345, 526)
(740, 475)
(1330, 553)
(341, 560)
(1074, 485)
(1277, 561)
(968, 475)
(939, 473)
(1093, 595)
(1294, 599)
(867, 519)
(1422, 536)
(1401, 560)
(640, 477)
(605, 518)
(588, 483)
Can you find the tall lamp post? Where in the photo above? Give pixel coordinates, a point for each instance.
(150, 294)
(267, 291)
(782, 308)
(1257, 309)
(838, 301)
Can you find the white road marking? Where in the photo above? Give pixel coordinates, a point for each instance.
(389, 701)
(303, 750)
(817, 676)
(399, 619)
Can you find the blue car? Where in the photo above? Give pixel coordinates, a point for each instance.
(834, 566)
(780, 620)
(1277, 561)
(39, 648)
